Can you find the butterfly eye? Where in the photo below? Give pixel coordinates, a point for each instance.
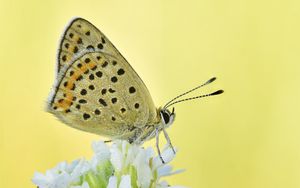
(165, 116)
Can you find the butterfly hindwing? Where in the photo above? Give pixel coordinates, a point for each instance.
(101, 94)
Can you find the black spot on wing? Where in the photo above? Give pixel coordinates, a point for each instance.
(86, 116)
(102, 101)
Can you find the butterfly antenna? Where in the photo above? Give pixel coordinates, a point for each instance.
(197, 97)
(207, 82)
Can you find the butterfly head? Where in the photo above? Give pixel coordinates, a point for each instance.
(167, 117)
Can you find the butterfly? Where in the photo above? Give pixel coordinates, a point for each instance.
(96, 90)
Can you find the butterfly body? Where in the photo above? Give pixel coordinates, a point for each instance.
(97, 90)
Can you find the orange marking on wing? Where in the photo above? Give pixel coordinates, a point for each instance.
(84, 68)
(69, 96)
(70, 84)
(64, 104)
(75, 76)
(91, 65)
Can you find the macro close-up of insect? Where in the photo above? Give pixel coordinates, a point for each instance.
(96, 90)
(150, 94)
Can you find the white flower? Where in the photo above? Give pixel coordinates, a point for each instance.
(120, 166)
(113, 182)
(84, 185)
(125, 182)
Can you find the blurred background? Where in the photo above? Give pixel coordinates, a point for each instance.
(249, 137)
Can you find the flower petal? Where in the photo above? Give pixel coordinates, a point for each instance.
(167, 155)
(101, 150)
(79, 170)
(144, 172)
(116, 157)
(125, 182)
(112, 183)
(84, 185)
(40, 179)
(164, 170)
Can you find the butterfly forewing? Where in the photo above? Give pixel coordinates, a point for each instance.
(81, 36)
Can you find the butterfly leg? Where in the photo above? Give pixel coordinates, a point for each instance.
(136, 133)
(168, 140)
(157, 145)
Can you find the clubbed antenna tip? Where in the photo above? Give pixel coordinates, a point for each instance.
(211, 80)
(217, 92)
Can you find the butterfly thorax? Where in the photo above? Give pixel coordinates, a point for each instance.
(163, 120)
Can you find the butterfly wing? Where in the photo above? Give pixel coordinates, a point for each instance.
(82, 40)
(102, 94)
(79, 37)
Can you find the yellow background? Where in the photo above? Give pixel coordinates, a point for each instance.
(247, 138)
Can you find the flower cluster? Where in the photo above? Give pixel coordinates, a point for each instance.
(121, 165)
